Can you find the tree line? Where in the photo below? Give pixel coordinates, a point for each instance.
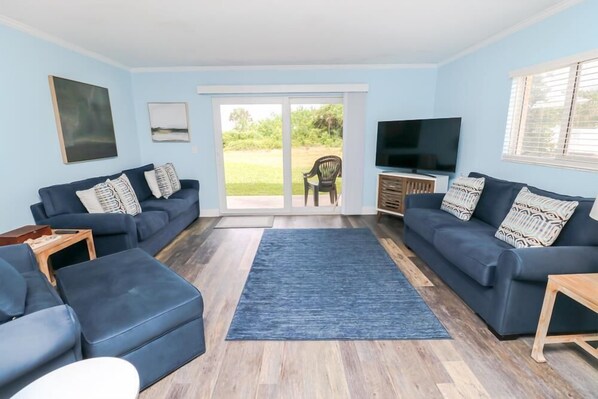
(321, 127)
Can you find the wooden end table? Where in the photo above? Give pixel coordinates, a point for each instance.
(582, 288)
(43, 252)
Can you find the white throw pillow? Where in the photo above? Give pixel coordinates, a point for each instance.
(463, 196)
(89, 200)
(152, 182)
(126, 193)
(535, 220)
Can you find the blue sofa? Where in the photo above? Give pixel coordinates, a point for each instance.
(45, 338)
(151, 230)
(149, 316)
(505, 286)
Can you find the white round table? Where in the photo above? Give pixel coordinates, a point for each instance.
(100, 377)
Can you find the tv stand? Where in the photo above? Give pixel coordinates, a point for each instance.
(394, 187)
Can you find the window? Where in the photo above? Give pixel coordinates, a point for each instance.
(553, 117)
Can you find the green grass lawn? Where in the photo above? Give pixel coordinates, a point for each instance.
(259, 172)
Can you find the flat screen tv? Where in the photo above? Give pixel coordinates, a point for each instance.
(427, 144)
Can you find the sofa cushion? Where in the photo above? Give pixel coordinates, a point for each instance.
(474, 252)
(13, 291)
(496, 199)
(425, 222)
(580, 229)
(137, 178)
(172, 206)
(190, 196)
(126, 300)
(535, 220)
(40, 293)
(149, 223)
(62, 198)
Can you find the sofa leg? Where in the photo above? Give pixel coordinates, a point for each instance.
(500, 337)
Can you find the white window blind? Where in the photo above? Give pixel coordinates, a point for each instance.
(553, 117)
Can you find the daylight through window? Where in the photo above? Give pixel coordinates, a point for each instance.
(553, 117)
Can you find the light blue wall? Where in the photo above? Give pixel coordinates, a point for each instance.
(30, 155)
(477, 87)
(393, 94)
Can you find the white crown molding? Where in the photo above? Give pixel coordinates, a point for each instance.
(277, 89)
(11, 23)
(557, 8)
(555, 64)
(279, 67)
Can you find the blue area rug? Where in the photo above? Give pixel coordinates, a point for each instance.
(329, 284)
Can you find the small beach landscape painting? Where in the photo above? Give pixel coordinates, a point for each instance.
(83, 119)
(168, 122)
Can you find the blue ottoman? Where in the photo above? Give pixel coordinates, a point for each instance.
(133, 307)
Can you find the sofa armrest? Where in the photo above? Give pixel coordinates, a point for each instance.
(535, 264)
(20, 256)
(36, 339)
(99, 223)
(190, 183)
(428, 201)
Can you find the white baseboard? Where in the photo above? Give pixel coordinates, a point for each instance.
(214, 212)
(210, 213)
(369, 210)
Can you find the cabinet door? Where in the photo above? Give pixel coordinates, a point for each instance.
(390, 193)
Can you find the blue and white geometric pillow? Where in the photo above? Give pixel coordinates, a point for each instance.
(108, 198)
(463, 196)
(173, 177)
(126, 194)
(163, 181)
(535, 220)
(168, 180)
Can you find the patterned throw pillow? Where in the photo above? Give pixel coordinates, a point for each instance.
(534, 220)
(463, 196)
(127, 195)
(108, 198)
(172, 176)
(163, 181)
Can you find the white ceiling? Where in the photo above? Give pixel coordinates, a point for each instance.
(179, 33)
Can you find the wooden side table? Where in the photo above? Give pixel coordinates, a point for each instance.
(43, 252)
(582, 288)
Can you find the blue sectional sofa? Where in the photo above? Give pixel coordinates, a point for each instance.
(159, 223)
(505, 286)
(149, 316)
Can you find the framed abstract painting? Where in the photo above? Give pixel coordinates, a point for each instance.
(168, 122)
(84, 120)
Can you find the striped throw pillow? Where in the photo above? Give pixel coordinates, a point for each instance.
(463, 196)
(535, 220)
(163, 181)
(108, 198)
(127, 195)
(172, 176)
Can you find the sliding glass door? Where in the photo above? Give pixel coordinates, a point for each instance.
(267, 148)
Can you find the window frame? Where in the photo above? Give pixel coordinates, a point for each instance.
(521, 85)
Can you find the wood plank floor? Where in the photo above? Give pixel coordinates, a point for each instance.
(474, 364)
